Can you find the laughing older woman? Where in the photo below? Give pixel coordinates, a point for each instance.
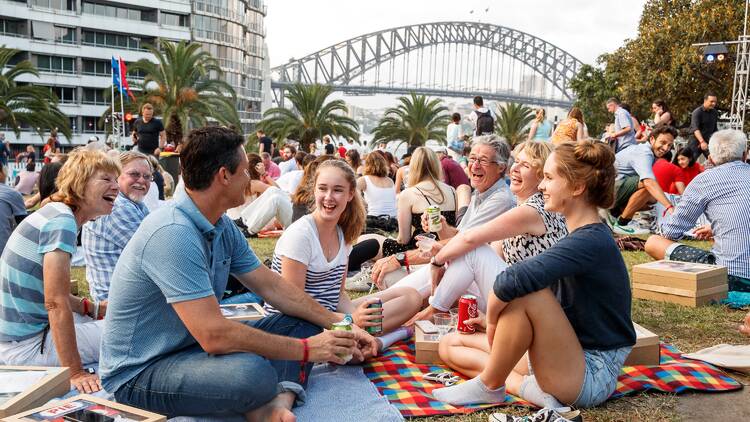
(104, 238)
(41, 323)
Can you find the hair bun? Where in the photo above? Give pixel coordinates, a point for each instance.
(596, 154)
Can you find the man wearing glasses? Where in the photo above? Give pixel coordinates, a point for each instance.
(104, 238)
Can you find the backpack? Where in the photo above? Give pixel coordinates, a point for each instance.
(485, 123)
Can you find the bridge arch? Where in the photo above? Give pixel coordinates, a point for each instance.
(338, 65)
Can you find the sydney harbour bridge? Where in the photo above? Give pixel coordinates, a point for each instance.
(443, 59)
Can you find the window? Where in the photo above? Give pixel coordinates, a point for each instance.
(107, 39)
(55, 4)
(66, 95)
(172, 19)
(97, 67)
(94, 96)
(119, 12)
(65, 35)
(56, 64)
(91, 124)
(11, 27)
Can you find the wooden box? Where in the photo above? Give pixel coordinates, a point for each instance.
(426, 346)
(84, 407)
(243, 311)
(646, 349)
(684, 283)
(26, 387)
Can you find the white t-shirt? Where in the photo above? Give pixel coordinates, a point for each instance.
(289, 181)
(301, 243)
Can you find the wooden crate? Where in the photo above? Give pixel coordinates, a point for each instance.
(646, 349)
(74, 406)
(54, 383)
(426, 346)
(684, 283)
(243, 311)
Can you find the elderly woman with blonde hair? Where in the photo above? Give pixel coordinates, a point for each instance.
(41, 322)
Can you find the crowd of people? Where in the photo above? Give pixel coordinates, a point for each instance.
(528, 231)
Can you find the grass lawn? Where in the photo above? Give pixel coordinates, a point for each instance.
(690, 329)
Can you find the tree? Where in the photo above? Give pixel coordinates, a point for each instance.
(661, 63)
(415, 120)
(593, 86)
(26, 104)
(513, 122)
(311, 117)
(184, 87)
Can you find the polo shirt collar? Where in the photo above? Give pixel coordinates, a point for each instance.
(481, 196)
(140, 205)
(209, 231)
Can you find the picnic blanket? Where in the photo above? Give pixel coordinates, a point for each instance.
(400, 380)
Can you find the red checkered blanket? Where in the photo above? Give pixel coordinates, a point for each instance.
(400, 380)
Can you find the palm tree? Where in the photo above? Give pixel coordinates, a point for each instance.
(415, 120)
(183, 86)
(310, 118)
(35, 106)
(513, 121)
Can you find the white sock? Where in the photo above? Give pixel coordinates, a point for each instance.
(531, 392)
(400, 333)
(471, 391)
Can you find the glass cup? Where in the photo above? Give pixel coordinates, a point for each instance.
(443, 323)
(454, 319)
(425, 242)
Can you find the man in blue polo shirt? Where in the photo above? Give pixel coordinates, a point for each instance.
(166, 346)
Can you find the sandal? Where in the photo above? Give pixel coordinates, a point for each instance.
(445, 378)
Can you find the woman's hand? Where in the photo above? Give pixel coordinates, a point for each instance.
(479, 323)
(381, 267)
(85, 382)
(423, 315)
(364, 316)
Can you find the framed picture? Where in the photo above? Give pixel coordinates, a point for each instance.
(25, 387)
(86, 408)
(243, 311)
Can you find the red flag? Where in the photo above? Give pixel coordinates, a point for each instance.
(124, 80)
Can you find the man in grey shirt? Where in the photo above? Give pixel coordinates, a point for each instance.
(488, 162)
(12, 209)
(624, 130)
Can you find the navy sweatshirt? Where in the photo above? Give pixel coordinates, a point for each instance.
(586, 273)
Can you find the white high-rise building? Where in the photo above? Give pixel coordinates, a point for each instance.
(71, 43)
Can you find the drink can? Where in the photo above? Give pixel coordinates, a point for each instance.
(433, 218)
(377, 329)
(343, 326)
(467, 308)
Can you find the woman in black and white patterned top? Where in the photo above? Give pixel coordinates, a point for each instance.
(518, 248)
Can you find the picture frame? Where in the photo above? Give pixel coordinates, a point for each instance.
(86, 408)
(243, 311)
(37, 385)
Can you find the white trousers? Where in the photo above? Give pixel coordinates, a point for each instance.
(28, 352)
(273, 203)
(473, 273)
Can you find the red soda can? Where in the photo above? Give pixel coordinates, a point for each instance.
(467, 309)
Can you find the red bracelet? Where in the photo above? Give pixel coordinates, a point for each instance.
(664, 214)
(85, 306)
(305, 356)
(406, 263)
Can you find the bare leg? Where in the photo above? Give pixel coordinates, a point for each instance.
(399, 305)
(637, 201)
(466, 353)
(656, 246)
(277, 410)
(537, 323)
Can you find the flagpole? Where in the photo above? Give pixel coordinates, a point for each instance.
(112, 86)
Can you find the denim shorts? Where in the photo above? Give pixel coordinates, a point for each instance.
(600, 379)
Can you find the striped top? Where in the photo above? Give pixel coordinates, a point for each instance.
(722, 194)
(301, 243)
(22, 311)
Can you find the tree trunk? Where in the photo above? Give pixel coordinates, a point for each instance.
(174, 130)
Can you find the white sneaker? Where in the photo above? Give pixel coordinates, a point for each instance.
(360, 282)
(543, 415)
(631, 229)
(607, 217)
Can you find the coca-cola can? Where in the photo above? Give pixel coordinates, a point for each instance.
(467, 309)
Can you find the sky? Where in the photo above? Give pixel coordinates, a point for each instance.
(583, 28)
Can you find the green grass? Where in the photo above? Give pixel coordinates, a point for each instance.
(690, 329)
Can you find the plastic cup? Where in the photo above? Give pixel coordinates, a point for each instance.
(454, 319)
(443, 323)
(425, 241)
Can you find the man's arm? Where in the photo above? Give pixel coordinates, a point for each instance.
(652, 186)
(695, 126)
(286, 297)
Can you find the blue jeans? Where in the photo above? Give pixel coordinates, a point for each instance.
(191, 382)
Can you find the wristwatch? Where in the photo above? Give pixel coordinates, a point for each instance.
(401, 258)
